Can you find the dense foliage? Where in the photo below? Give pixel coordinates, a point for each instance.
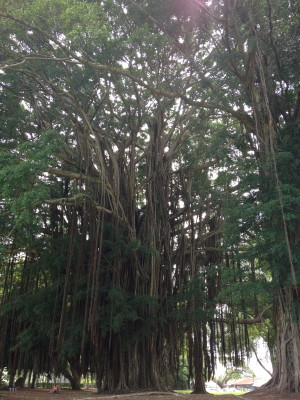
(149, 189)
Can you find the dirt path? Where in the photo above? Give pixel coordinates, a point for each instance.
(43, 394)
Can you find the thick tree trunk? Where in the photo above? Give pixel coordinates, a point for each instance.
(199, 384)
(286, 375)
(137, 368)
(74, 378)
(32, 385)
(20, 382)
(11, 380)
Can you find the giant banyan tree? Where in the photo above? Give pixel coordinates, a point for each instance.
(147, 215)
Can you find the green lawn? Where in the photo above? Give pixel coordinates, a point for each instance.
(183, 391)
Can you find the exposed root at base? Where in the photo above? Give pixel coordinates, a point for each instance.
(118, 396)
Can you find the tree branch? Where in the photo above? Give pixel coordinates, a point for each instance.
(71, 200)
(251, 321)
(243, 117)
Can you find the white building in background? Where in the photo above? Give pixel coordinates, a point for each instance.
(246, 384)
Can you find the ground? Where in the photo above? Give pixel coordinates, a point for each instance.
(43, 394)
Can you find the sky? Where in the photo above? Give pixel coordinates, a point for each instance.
(264, 356)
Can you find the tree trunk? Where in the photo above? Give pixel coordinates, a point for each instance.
(286, 374)
(74, 378)
(32, 385)
(136, 368)
(29, 378)
(199, 384)
(11, 380)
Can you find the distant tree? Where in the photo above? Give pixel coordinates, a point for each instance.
(234, 374)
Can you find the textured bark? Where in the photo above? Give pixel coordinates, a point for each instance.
(286, 374)
(199, 383)
(74, 377)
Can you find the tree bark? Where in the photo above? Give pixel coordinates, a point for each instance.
(199, 384)
(286, 374)
(74, 377)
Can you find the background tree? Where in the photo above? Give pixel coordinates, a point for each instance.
(113, 199)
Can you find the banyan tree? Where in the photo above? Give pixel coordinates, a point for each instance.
(143, 155)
